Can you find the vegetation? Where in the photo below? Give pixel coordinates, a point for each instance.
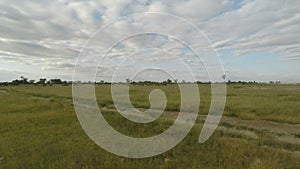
(39, 128)
(24, 81)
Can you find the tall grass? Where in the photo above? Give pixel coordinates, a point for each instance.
(39, 129)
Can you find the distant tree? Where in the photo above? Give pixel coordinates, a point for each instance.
(24, 80)
(169, 81)
(31, 81)
(16, 82)
(56, 81)
(42, 82)
(65, 83)
(4, 84)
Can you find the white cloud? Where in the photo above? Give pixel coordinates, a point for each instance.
(203, 10)
(257, 26)
(50, 34)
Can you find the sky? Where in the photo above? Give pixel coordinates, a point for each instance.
(256, 40)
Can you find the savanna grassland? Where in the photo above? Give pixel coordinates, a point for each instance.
(260, 129)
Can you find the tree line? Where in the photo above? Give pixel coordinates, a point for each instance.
(44, 82)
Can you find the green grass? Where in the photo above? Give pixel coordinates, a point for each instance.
(39, 129)
(279, 103)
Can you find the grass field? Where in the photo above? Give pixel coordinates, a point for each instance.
(260, 129)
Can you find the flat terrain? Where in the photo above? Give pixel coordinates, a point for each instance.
(260, 129)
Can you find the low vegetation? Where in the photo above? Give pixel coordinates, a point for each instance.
(39, 129)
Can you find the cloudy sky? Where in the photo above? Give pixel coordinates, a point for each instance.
(255, 39)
